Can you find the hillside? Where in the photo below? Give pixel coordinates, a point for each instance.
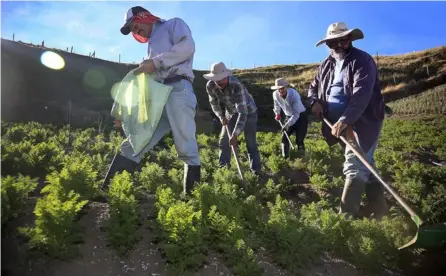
(432, 101)
(87, 82)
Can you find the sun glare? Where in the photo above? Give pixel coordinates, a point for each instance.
(52, 60)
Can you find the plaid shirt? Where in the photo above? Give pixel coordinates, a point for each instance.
(235, 98)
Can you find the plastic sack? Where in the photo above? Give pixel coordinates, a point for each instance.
(138, 103)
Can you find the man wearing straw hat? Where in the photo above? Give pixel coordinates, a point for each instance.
(234, 106)
(287, 99)
(346, 91)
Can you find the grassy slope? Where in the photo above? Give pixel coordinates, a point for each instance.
(87, 82)
(432, 101)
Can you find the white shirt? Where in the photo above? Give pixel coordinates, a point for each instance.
(172, 48)
(292, 105)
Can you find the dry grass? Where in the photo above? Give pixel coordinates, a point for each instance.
(429, 62)
(393, 88)
(432, 101)
(29, 84)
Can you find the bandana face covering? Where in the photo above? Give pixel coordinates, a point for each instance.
(143, 18)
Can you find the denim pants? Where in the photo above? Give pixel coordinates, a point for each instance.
(353, 167)
(179, 117)
(250, 132)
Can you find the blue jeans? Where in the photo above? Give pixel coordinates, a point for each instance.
(179, 117)
(353, 167)
(250, 132)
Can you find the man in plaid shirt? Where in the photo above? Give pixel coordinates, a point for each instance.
(228, 97)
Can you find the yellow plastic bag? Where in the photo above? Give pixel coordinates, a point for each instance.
(138, 103)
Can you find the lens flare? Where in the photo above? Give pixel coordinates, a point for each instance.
(52, 60)
(95, 79)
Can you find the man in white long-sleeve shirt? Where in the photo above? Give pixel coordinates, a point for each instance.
(171, 51)
(288, 100)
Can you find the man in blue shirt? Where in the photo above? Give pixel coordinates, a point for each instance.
(289, 101)
(347, 92)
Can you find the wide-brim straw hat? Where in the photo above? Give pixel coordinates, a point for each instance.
(338, 30)
(218, 72)
(279, 83)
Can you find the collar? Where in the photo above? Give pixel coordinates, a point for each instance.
(347, 56)
(159, 21)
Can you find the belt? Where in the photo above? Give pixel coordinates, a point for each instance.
(175, 78)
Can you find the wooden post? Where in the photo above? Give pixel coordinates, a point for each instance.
(71, 49)
(427, 70)
(119, 58)
(377, 60)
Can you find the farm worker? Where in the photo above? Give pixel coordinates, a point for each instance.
(171, 52)
(234, 106)
(347, 92)
(287, 99)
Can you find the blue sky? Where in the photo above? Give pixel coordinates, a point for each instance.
(237, 33)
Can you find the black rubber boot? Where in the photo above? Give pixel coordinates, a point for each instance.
(377, 205)
(119, 164)
(351, 196)
(301, 147)
(192, 174)
(285, 150)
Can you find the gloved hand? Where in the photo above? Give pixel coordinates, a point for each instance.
(317, 110)
(277, 118)
(285, 127)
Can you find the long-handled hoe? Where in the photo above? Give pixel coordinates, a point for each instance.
(236, 159)
(427, 236)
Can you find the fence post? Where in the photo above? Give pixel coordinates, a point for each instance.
(119, 58)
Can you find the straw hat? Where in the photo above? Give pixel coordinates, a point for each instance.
(218, 72)
(279, 83)
(338, 30)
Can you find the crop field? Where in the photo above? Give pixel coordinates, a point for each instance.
(56, 221)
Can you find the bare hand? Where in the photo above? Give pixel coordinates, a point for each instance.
(117, 123)
(224, 121)
(233, 140)
(317, 110)
(147, 66)
(338, 128)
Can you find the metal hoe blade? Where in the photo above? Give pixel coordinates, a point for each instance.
(426, 236)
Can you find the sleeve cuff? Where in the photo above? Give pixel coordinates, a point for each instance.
(156, 62)
(343, 119)
(236, 132)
